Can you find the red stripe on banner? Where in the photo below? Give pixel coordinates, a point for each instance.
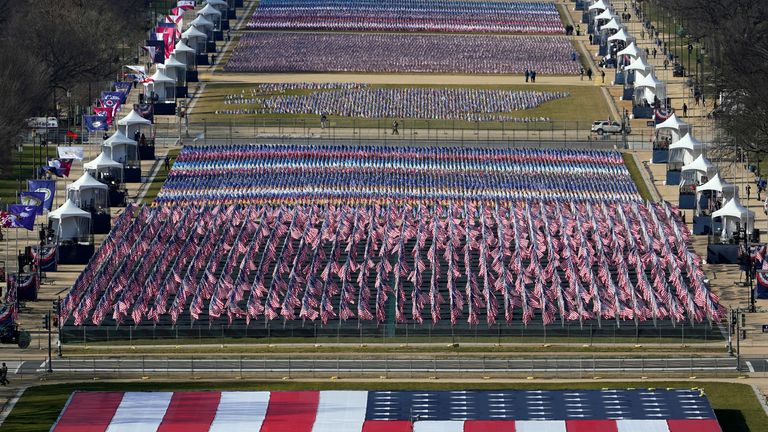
(89, 412)
(698, 425)
(591, 426)
(291, 411)
(489, 425)
(190, 412)
(387, 426)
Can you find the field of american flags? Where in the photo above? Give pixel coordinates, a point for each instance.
(427, 236)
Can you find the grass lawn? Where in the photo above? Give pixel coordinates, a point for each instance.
(159, 179)
(735, 405)
(578, 111)
(637, 177)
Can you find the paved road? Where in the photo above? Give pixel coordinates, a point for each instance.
(381, 366)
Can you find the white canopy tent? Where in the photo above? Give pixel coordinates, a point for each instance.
(103, 164)
(120, 148)
(162, 85)
(631, 50)
(734, 215)
(611, 26)
(195, 39)
(638, 64)
(132, 123)
(185, 54)
(685, 150)
(211, 14)
(697, 170)
(598, 5)
(605, 15)
(176, 70)
(647, 89)
(70, 222)
(673, 126)
(718, 187)
(619, 36)
(202, 23)
(87, 192)
(220, 5)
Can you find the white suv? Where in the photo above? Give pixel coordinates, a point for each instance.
(607, 127)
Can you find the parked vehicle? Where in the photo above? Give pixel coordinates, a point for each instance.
(601, 127)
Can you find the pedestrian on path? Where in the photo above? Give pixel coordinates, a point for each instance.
(533, 76)
(654, 53)
(602, 75)
(527, 74)
(589, 73)
(749, 189)
(167, 163)
(590, 38)
(581, 73)
(4, 375)
(395, 125)
(685, 110)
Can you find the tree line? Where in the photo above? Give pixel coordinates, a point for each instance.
(51, 48)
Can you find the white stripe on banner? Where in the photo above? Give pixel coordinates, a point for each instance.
(540, 426)
(240, 411)
(642, 426)
(439, 426)
(341, 411)
(139, 412)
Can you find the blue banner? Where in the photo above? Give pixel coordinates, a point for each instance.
(96, 123)
(22, 216)
(33, 199)
(123, 86)
(47, 187)
(115, 95)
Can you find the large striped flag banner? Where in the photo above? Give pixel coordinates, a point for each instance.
(391, 411)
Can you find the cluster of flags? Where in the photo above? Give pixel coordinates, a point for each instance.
(408, 16)
(107, 107)
(39, 196)
(402, 52)
(547, 260)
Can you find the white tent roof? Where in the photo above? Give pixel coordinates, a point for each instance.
(86, 181)
(686, 142)
(630, 50)
(160, 77)
(604, 15)
(733, 208)
(217, 3)
(638, 64)
(620, 35)
(193, 32)
(102, 161)
(715, 184)
(133, 118)
(172, 62)
(209, 10)
(612, 25)
(598, 5)
(181, 47)
(68, 210)
(647, 81)
(671, 123)
(119, 138)
(201, 21)
(700, 164)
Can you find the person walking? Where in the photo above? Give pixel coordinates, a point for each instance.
(685, 110)
(581, 73)
(654, 53)
(602, 75)
(589, 73)
(533, 76)
(4, 375)
(395, 125)
(749, 189)
(323, 121)
(527, 74)
(167, 163)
